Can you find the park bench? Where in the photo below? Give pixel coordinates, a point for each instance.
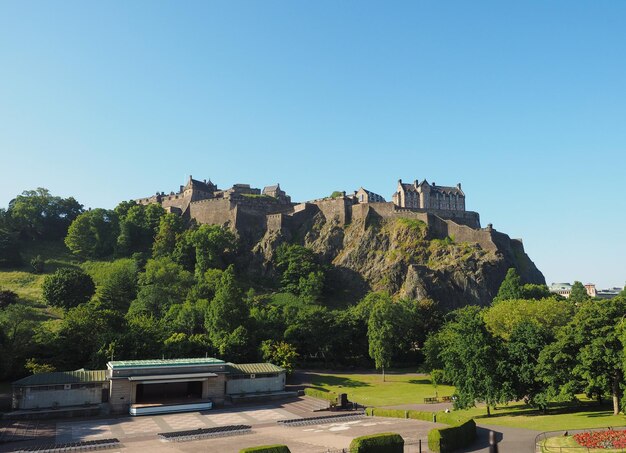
(446, 399)
(430, 400)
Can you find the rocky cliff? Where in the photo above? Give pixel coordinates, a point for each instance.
(407, 257)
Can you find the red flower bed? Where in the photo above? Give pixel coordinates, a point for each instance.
(602, 439)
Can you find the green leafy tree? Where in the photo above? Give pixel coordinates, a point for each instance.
(280, 353)
(536, 292)
(170, 226)
(17, 325)
(188, 317)
(312, 330)
(226, 312)
(579, 293)
(212, 243)
(526, 342)
(83, 331)
(163, 284)
(385, 330)
(36, 214)
(587, 353)
(551, 314)
(296, 264)
(120, 288)
(67, 288)
(472, 361)
(93, 234)
(9, 249)
(138, 229)
(511, 287)
(35, 367)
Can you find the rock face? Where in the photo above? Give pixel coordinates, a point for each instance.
(408, 257)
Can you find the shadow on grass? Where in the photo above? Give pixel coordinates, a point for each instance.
(420, 381)
(590, 409)
(337, 381)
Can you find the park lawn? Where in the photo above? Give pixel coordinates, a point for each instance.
(560, 416)
(370, 390)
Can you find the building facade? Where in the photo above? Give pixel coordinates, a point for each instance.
(149, 386)
(423, 195)
(366, 196)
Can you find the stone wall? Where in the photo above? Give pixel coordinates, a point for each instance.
(336, 208)
(120, 395)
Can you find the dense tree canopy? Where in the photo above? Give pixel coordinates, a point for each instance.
(37, 214)
(93, 234)
(68, 288)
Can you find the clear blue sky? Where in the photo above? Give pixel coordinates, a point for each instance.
(522, 102)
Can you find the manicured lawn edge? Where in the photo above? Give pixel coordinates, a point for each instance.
(461, 432)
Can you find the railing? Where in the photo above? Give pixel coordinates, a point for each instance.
(542, 439)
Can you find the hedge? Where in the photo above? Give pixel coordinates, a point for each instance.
(328, 396)
(445, 440)
(378, 443)
(266, 449)
(398, 413)
(461, 433)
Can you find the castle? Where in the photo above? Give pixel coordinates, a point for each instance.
(250, 210)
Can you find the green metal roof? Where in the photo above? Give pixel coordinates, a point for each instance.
(253, 368)
(63, 377)
(123, 364)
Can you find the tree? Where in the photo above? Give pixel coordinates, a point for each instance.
(537, 292)
(384, 332)
(9, 249)
(296, 264)
(511, 287)
(503, 316)
(17, 324)
(93, 234)
(587, 353)
(120, 287)
(578, 293)
(67, 288)
(138, 227)
(7, 297)
(280, 353)
(526, 342)
(36, 214)
(472, 360)
(212, 242)
(170, 226)
(227, 311)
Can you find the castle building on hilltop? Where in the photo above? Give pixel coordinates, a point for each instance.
(422, 195)
(252, 212)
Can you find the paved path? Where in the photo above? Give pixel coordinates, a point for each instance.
(515, 440)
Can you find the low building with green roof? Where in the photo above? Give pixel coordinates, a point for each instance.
(150, 386)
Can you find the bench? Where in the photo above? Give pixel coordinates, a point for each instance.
(430, 400)
(446, 399)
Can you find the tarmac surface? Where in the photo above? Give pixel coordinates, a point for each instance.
(141, 433)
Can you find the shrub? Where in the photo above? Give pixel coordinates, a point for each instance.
(67, 288)
(421, 415)
(395, 413)
(266, 449)
(322, 394)
(449, 439)
(7, 297)
(378, 443)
